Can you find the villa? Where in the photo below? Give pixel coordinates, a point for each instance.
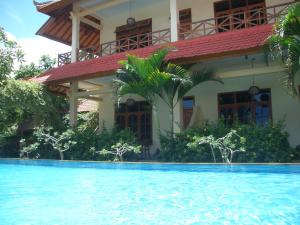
(228, 35)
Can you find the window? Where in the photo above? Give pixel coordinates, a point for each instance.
(185, 20)
(129, 38)
(244, 108)
(136, 117)
(188, 105)
(238, 14)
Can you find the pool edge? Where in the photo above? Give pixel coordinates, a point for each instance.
(147, 162)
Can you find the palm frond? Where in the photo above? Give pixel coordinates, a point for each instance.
(198, 74)
(156, 60)
(285, 43)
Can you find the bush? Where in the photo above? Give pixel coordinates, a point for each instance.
(86, 145)
(9, 147)
(268, 143)
(90, 142)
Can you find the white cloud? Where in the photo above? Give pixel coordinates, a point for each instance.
(10, 36)
(35, 47)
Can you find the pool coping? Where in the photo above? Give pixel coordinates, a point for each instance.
(147, 162)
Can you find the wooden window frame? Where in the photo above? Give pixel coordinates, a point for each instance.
(139, 115)
(232, 11)
(127, 34)
(236, 105)
(185, 24)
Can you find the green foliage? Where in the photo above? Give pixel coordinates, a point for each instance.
(121, 148)
(27, 71)
(267, 143)
(141, 76)
(79, 144)
(46, 62)
(27, 150)
(21, 100)
(285, 43)
(9, 53)
(89, 142)
(32, 70)
(153, 78)
(59, 141)
(87, 121)
(227, 145)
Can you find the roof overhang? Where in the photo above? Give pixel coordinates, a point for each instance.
(51, 8)
(229, 44)
(59, 26)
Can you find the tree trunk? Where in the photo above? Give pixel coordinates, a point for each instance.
(213, 153)
(172, 121)
(61, 154)
(157, 122)
(156, 118)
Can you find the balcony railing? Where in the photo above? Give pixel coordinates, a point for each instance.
(230, 22)
(235, 21)
(121, 45)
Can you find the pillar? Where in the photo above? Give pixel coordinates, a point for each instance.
(75, 33)
(73, 104)
(174, 20)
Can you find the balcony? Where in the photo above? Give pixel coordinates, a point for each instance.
(121, 45)
(245, 18)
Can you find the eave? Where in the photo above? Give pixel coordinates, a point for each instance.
(229, 44)
(51, 8)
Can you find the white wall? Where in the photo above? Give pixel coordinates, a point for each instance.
(159, 12)
(283, 105)
(107, 111)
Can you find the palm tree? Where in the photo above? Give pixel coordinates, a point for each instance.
(285, 42)
(153, 78)
(141, 76)
(181, 82)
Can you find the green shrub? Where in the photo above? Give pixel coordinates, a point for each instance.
(90, 142)
(86, 145)
(268, 143)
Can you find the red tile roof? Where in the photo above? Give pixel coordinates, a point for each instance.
(206, 46)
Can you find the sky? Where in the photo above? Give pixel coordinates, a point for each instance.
(21, 21)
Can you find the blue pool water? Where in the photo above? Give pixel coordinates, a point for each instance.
(52, 192)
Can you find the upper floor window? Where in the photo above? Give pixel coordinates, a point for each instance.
(238, 14)
(137, 36)
(244, 108)
(185, 20)
(137, 117)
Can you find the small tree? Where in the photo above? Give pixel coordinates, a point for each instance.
(119, 149)
(60, 142)
(26, 150)
(227, 145)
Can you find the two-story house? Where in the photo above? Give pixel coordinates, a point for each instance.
(229, 35)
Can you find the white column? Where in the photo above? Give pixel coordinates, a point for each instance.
(107, 112)
(75, 32)
(174, 20)
(73, 104)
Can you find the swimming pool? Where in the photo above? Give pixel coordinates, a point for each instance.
(46, 192)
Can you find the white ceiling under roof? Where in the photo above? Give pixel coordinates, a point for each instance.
(121, 8)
